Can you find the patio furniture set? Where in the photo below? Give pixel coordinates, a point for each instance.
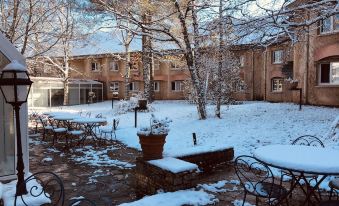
(306, 162)
(70, 127)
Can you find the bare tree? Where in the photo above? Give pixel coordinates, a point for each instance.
(26, 21)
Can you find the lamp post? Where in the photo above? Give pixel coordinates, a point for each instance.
(15, 85)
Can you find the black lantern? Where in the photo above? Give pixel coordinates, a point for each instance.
(15, 85)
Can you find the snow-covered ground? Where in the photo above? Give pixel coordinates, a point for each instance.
(244, 127)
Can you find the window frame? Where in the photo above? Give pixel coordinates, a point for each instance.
(116, 89)
(333, 25)
(154, 87)
(272, 84)
(181, 87)
(242, 61)
(281, 56)
(330, 74)
(135, 86)
(97, 67)
(156, 62)
(114, 66)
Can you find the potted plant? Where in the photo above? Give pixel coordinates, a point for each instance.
(152, 138)
(291, 84)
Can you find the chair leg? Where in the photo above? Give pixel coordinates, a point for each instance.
(43, 134)
(244, 200)
(331, 193)
(54, 138)
(292, 183)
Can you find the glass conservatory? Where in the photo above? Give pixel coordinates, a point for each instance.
(49, 92)
(8, 53)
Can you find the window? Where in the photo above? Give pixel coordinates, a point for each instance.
(329, 73)
(242, 61)
(114, 66)
(133, 86)
(156, 64)
(95, 66)
(156, 86)
(277, 56)
(114, 87)
(177, 86)
(330, 24)
(136, 65)
(277, 84)
(174, 65)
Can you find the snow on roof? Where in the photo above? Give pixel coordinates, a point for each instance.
(103, 43)
(71, 81)
(174, 165)
(7, 49)
(14, 66)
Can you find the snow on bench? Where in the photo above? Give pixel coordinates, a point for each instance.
(173, 165)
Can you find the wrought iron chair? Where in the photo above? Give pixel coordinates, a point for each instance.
(257, 179)
(308, 140)
(110, 130)
(305, 140)
(45, 186)
(46, 127)
(48, 189)
(334, 185)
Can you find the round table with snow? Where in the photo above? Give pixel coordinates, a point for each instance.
(300, 160)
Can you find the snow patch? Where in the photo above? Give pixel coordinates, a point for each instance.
(178, 198)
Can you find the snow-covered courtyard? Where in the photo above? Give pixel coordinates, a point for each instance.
(244, 127)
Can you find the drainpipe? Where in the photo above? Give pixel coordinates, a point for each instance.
(307, 61)
(252, 74)
(265, 73)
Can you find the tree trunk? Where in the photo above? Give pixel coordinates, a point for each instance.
(66, 92)
(147, 59)
(197, 85)
(127, 70)
(221, 45)
(66, 78)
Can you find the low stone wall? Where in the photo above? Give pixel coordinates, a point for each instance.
(149, 178)
(208, 160)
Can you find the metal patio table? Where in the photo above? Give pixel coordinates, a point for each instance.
(65, 121)
(299, 160)
(89, 125)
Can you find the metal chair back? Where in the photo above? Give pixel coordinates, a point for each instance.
(253, 175)
(43, 185)
(50, 186)
(308, 140)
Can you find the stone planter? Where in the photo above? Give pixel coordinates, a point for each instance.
(142, 104)
(152, 146)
